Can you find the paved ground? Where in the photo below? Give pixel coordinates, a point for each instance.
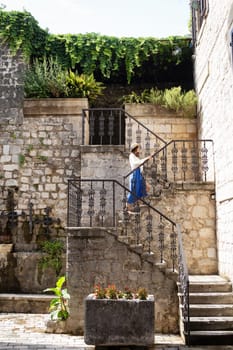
(27, 332)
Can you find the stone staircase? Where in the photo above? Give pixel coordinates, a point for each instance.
(211, 310)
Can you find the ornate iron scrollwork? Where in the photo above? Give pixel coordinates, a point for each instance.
(184, 164)
(204, 160)
(91, 203)
(161, 239)
(102, 212)
(174, 160)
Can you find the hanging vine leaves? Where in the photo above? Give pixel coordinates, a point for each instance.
(21, 31)
(92, 53)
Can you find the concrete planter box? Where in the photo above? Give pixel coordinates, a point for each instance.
(119, 322)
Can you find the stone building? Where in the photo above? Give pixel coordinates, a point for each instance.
(213, 61)
(41, 150)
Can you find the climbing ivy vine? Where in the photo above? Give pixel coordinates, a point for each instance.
(106, 57)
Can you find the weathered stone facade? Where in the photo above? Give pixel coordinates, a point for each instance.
(37, 159)
(11, 87)
(96, 256)
(214, 85)
(192, 206)
(168, 125)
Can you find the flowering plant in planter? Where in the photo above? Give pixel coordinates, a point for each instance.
(106, 312)
(111, 292)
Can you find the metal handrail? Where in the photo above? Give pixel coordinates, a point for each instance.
(127, 190)
(164, 149)
(184, 285)
(102, 202)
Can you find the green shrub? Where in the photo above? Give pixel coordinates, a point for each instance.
(83, 86)
(47, 78)
(53, 255)
(173, 99)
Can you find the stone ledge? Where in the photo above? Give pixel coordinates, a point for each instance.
(199, 185)
(54, 106)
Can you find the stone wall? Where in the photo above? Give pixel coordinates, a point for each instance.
(95, 256)
(214, 85)
(193, 207)
(168, 125)
(11, 87)
(104, 162)
(37, 159)
(68, 108)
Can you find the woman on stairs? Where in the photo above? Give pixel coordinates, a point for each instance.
(137, 183)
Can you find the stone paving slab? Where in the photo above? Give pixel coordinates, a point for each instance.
(27, 332)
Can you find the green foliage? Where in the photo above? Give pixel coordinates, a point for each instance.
(21, 159)
(43, 158)
(53, 255)
(111, 292)
(176, 100)
(105, 57)
(142, 293)
(49, 79)
(59, 308)
(173, 99)
(21, 31)
(189, 103)
(155, 96)
(45, 79)
(83, 86)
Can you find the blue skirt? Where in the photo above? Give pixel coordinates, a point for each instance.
(137, 186)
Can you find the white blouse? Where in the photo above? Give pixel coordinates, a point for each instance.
(134, 161)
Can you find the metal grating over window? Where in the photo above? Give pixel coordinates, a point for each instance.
(199, 11)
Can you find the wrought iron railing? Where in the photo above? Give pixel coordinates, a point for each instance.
(179, 161)
(11, 218)
(102, 203)
(183, 286)
(114, 126)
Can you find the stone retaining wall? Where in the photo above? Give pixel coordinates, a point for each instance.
(95, 256)
(168, 125)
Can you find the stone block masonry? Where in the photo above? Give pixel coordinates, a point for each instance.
(213, 78)
(37, 158)
(96, 256)
(11, 87)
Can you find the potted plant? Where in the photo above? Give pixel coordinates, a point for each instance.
(116, 317)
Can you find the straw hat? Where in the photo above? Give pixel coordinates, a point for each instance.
(133, 146)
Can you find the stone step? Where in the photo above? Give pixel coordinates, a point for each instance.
(211, 338)
(211, 298)
(211, 310)
(24, 303)
(211, 323)
(209, 283)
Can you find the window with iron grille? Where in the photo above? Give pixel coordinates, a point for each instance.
(199, 11)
